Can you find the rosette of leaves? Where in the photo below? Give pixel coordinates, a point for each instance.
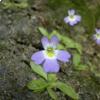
(49, 82)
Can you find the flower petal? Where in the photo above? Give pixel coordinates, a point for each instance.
(51, 65)
(66, 19)
(45, 42)
(38, 57)
(72, 23)
(71, 12)
(98, 41)
(54, 41)
(77, 18)
(97, 31)
(63, 55)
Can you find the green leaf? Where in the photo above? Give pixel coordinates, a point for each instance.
(67, 89)
(52, 94)
(60, 46)
(69, 43)
(77, 62)
(43, 31)
(38, 69)
(81, 67)
(37, 85)
(76, 59)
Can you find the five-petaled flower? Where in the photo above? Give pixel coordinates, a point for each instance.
(72, 19)
(97, 36)
(50, 55)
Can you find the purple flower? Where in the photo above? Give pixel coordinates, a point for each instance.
(50, 55)
(72, 19)
(97, 36)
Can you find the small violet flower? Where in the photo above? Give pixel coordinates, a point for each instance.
(50, 55)
(72, 19)
(97, 36)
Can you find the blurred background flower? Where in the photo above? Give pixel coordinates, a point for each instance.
(72, 19)
(97, 36)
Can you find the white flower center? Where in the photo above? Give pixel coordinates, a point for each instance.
(71, 17)
(50, 53)
(97, 36)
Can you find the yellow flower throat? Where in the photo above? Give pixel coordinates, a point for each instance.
(71, 16)
(50, 51)
(98, 36)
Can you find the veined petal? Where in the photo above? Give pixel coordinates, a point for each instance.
(45, 42)
(71, 12)
(54, 41)
(63, 55)
(38, 57)
(51, 65)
